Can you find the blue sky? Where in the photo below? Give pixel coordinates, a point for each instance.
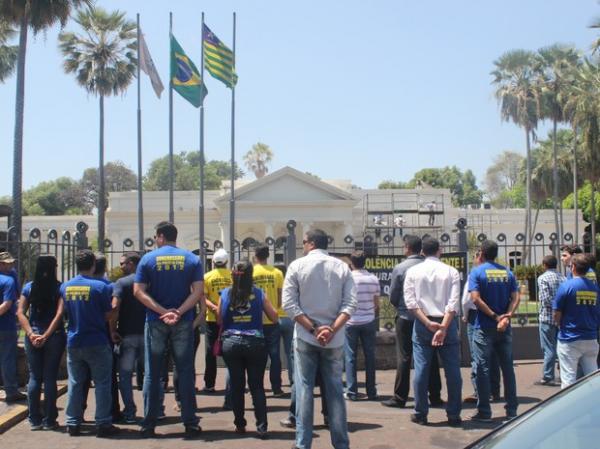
(349, 89)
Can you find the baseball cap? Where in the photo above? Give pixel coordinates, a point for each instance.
(220, 257)
(5, 257)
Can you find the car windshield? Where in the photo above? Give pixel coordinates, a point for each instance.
(570, 420)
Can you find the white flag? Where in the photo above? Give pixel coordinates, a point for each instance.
(147, 65)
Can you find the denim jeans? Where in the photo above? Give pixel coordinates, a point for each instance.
(272, 340)
(180, 339)
(8, 361)
(210, 361)
(485, 343)
(132, 348)
(366, 334)
(548, 333)
(246, 355)
(423, 354)
(494, 366)
(43, 366)
(572, 354)
(307, 359)
(97, 360)
(286, 327)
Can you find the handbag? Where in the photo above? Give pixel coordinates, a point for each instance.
(217, 348)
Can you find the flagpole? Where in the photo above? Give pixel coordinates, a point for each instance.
(232, 193)
(139, 146)
(171, 173)
(201, 251)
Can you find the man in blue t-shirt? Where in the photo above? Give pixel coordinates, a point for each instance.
(577, 314)
(169, 282)
(494, 292)
(8, 328)
(88, 308)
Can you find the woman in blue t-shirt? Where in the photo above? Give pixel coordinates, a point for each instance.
(40, 313)
(240, 315)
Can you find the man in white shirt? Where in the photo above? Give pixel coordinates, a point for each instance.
(319, 294)
(432, 293)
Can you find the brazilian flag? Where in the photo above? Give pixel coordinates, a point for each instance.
(185, 77)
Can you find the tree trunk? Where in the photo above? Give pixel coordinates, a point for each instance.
(527, 240)
(593, 218)
(575, 209)
(101, 194)
(17, 212)
(557, 242)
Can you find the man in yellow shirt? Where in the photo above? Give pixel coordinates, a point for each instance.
(214, 282)
(270, 280)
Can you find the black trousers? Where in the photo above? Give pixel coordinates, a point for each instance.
(210, 361)
(404, 352)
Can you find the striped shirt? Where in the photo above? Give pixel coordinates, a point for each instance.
(367, 287)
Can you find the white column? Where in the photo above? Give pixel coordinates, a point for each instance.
(269, 233)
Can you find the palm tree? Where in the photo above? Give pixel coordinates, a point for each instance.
(554, 64)
(38, 15)
(257, 159)
(516, 93)
(582, 107)
(8, 53)
(103, 59)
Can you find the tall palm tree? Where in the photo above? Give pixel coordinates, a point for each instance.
(582, 106)
(8, 53)
(38, 15)
(554, 65)
(519, 100)
(258, 158)
(103, 59)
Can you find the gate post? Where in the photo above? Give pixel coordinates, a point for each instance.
(290, 250)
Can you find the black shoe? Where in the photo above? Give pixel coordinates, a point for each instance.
(455, 422)
(511, 415)
(394, 403)
(51, 426)
(192, 432)
(547, 383)
(148, 432)
(481, 418)
(418, 419)
(74, 431)
(106, 431)
(437, 403)
(262, 434)
(289, 423)
(17, 397)
(278, 392)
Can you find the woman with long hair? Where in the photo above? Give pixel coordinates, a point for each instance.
(240, 314)
(40, 313)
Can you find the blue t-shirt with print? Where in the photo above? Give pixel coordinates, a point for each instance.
(169, 273)
(39, 320)
(87, 300)
(8, 292)
(577, 300)
(591, 275)
(247, 320)
(495, 284)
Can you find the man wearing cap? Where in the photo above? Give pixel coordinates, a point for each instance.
(8, 328)
(214, 282)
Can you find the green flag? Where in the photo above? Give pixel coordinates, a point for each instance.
(218, 59)
(185, 77)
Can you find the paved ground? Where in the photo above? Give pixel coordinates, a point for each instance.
(371, 425)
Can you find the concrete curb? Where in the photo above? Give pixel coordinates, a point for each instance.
(19, 412)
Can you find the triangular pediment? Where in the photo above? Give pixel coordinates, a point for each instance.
(289, 185)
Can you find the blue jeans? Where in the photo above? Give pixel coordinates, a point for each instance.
(43, 366)
(272, 336)
(423, 354)
(494, 366)
(96, 360)
(180, 338)
(132, 348)
(286, 328)
(485, 343)
(366, 333)
(8, 361)
(307, 359)
(246, 355)
(548, 333)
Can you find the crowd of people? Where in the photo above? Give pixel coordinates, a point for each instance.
(320, 308)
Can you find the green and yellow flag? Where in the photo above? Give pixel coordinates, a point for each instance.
(185, 77)
(218, 59)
